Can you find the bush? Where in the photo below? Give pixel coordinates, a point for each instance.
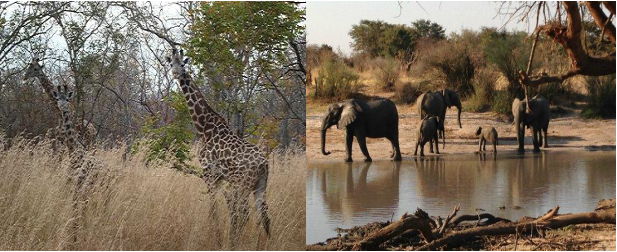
(453, 64)
(406, 92)
(388, 70)
(553, 91)
(484, 89)
(502, 102)
(509, 53)
(601, 97)
(336, 81)
(170, 142)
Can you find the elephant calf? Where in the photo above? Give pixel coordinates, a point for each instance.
(487, 134)
(427, 133)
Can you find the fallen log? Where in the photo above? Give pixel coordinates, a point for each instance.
(407, 222)
(548, 221)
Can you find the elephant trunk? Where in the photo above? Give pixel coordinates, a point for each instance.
(323, 143)
(459, 116)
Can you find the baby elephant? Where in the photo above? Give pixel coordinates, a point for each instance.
(489, 134)
(427, 133)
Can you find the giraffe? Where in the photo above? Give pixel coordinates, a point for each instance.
(82, 165)
(87, 136)
(224, 155)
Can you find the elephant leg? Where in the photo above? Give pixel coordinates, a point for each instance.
(480, 144)
(422, 149)
(431, 145)
(396, 150)
(520, 137)
(362, 142)
(436, 144)
(545, 137)
(348, 142)
(536, 143)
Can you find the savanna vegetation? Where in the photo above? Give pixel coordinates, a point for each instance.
(248, 59)
(486, 67)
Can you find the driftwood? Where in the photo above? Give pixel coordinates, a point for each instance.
(407, 222)
(435, 236)
(549, 221)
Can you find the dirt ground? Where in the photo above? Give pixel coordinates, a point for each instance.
(565, 132)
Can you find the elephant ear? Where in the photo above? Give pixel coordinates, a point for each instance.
(447, 97)
(349, 114)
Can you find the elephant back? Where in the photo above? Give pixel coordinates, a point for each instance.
(431, 103)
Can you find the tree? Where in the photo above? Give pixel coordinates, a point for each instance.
(427, 29)
(238, 44)
(569, 37)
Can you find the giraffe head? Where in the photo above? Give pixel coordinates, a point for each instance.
(177, 62)
(63, 95)
(34, 69)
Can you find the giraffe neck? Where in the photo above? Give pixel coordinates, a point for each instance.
(205, 119)
(48, 87)
(67, 129)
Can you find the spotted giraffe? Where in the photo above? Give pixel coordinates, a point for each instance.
(225, 156)
(82, 164)
(87, 135)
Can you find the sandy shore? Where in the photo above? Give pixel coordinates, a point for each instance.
(565, 133)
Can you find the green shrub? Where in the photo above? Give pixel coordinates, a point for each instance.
(336, 81)
(388, 70)
(502, 102)
(601, 97)
(483, 90)
(509, 53)
(170, 142)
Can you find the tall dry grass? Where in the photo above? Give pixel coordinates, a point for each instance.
(136, 207)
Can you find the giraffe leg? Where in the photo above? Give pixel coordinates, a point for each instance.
(260, 204)
(213, 216)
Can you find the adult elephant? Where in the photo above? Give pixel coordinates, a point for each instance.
(377, 118)
(435, 103)
(538, 121)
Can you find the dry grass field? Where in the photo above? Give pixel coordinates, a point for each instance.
(134, 206)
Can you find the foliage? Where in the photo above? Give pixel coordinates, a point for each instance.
(601, 98)
(388, 70)
(336, 81)
(242, 48)
(502, 102)
(453, 65)
(484, 90)
(173, 138)
(509, 53)
(381, 39)
(426, 29)
(227, 33)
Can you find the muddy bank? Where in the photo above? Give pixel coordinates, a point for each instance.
(552, 231)
(565, 133)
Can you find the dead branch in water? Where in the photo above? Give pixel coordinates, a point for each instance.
(433, 237)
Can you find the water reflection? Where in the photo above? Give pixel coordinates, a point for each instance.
(348, 194)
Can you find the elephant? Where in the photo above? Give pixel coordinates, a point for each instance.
(376, 118)
(487, 134)
(435, 103)
(427, 132)
(538, 120)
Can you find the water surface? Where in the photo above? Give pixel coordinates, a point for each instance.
(344, 195)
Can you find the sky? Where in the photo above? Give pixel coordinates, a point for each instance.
(330, 22)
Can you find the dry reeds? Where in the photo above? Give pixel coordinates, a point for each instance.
(134, 206)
